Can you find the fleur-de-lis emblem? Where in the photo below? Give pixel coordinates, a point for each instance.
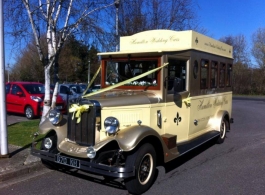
(177, 119)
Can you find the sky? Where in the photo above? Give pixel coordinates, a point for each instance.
(231, 17)
(222, 18)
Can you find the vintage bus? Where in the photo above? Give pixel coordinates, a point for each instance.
(163, 94)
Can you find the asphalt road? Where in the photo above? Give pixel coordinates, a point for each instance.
(235, 167)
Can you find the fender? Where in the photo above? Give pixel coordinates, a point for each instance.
(129, 138)
(61, 130)
(216, 120)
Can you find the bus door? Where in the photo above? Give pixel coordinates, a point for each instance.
(176, 112)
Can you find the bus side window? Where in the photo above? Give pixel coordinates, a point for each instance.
(222, 75)
(204, 73)
(176, 70)
(229, 75)
(214, 74)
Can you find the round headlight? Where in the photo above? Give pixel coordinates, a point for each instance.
(91, 152)
(55, 117)
(111, 125)
(47, 143)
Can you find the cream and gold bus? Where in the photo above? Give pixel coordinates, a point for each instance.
(163, 94)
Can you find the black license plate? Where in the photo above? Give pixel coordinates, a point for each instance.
(67, 161)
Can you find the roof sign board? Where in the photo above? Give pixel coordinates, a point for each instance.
(168, 40)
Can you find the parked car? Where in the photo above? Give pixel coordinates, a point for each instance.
(83, 86)
(68, 91)
(27, 98)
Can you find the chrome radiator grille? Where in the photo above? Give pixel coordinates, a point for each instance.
(83, 132)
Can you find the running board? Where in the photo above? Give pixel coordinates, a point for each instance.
(192, 144)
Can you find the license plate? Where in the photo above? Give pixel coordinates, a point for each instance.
(67, 161)
(59, 107)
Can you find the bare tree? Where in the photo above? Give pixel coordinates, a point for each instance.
(140, 15)
(242, 77)
(57, 19)
(240, 48)
(258, 47)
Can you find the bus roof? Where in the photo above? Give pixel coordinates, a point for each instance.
(157, 41)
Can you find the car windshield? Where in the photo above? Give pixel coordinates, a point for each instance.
(34, 88)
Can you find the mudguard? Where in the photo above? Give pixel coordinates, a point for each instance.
(216, 120)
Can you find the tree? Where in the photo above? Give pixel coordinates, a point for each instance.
(74, 58)
(258, 47)
(240, 49)
(141, 15)
(242, 77)
(56, 19)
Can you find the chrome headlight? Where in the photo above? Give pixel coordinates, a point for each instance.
(55, 117)
(111, 124)
(91, 152)
(47, 143)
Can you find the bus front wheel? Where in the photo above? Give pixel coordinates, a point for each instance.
(144, 161)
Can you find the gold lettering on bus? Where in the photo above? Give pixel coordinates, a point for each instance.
(154, 40)
(203, 105)
(216, 102)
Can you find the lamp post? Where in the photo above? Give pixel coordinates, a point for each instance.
(7, 72)
(88, 72)
(117, 4)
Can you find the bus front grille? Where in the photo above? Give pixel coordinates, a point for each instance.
(82, 133)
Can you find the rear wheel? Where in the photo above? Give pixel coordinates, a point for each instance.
(223, 129)
(29, 112)
(144, 161)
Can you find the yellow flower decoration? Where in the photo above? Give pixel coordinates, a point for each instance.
(77, 111)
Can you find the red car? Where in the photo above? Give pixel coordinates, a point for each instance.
(27, 98)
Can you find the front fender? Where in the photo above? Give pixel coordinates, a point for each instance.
(61, 130)
(130, 137)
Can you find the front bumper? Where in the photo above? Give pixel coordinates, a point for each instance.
(91, 167)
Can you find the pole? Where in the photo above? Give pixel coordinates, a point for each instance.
(117, 4)
(7, 72)
(88, 72)
(3, 124)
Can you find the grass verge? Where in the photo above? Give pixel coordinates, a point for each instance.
(21, 134)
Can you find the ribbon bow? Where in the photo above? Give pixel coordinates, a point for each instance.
(77, 111)
(187, 101)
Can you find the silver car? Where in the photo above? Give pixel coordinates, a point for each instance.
(69, 91)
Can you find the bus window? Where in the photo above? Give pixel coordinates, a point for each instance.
(214, 74)
(176, 68)
(229, 75)
(204, 73)
(222, 75)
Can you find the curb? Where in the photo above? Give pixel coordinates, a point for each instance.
(25, 169)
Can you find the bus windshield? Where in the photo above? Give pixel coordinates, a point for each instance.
(119, 71)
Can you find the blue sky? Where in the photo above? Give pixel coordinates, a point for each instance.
(231, 17)
(220, 18)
